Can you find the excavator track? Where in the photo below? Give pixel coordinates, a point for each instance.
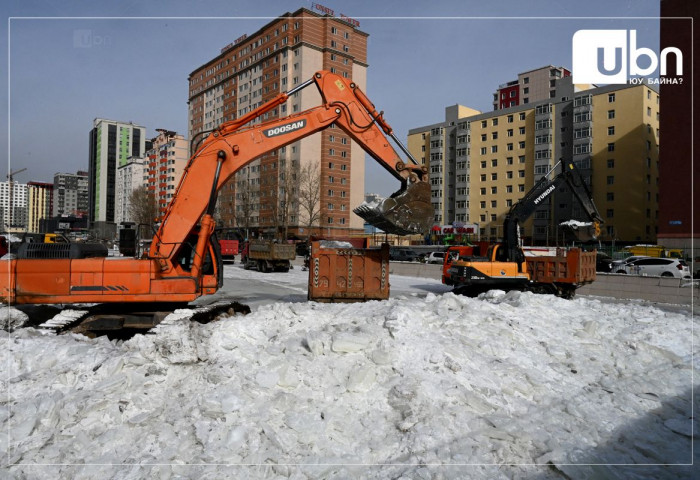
(127, 321)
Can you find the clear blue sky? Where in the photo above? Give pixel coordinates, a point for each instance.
(423, 56)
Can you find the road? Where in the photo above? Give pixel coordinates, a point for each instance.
(254, 288)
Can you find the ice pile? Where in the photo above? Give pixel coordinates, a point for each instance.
(506, 385)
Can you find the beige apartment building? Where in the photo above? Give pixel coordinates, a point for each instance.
(611, 134)
(263, 197)
(39, 204)
(165, 162)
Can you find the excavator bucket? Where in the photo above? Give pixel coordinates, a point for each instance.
(405, 212)
(580, 231)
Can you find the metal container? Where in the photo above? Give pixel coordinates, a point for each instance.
(346, 274)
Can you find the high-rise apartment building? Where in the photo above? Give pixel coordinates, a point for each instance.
(13, 206)
(531, 86)
(70, 194)
(39, 204)
(281, 55)
(112, 143)
(130, 176)
(442, 148)
(167, 159)
(610, 133)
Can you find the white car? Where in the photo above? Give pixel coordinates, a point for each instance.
(435, 257)
(618, 266)
(663, 267)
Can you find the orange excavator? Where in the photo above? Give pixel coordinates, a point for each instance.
(184, 261)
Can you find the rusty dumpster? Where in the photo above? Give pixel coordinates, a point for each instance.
(347, 274)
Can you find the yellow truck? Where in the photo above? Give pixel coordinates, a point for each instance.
(654, 251)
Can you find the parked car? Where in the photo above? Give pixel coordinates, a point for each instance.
(603, 262)
(618, 266)
(403, 255)
(663, 267)
(435, 257)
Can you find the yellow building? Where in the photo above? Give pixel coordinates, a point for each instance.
(481, 164)
(39, 202)
(625, 161)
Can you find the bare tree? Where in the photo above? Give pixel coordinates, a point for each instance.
(244, 201)
(286, 195)
(309, 188)
(143, 209)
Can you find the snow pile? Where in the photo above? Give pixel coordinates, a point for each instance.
(11, 318)
(437, 387)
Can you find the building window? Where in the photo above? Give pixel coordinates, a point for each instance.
(611, 180)
(610, 213)
(611, 97)
(611, 114)
(494, 135)
(611, 163)
(483, 124)
(494, 122)
(521, 173)
(610, 197)
(494, 162)
(611, 147)
(611, 130)
(494, 149)
(483, 164)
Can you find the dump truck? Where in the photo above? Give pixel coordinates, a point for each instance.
(267, 256)
(506, 267)
(559, 274)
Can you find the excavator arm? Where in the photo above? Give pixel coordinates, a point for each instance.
(524, 208)
(229, 148)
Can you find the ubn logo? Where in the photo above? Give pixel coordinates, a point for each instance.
(601, 56)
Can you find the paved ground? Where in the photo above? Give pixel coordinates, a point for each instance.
(254, 288)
